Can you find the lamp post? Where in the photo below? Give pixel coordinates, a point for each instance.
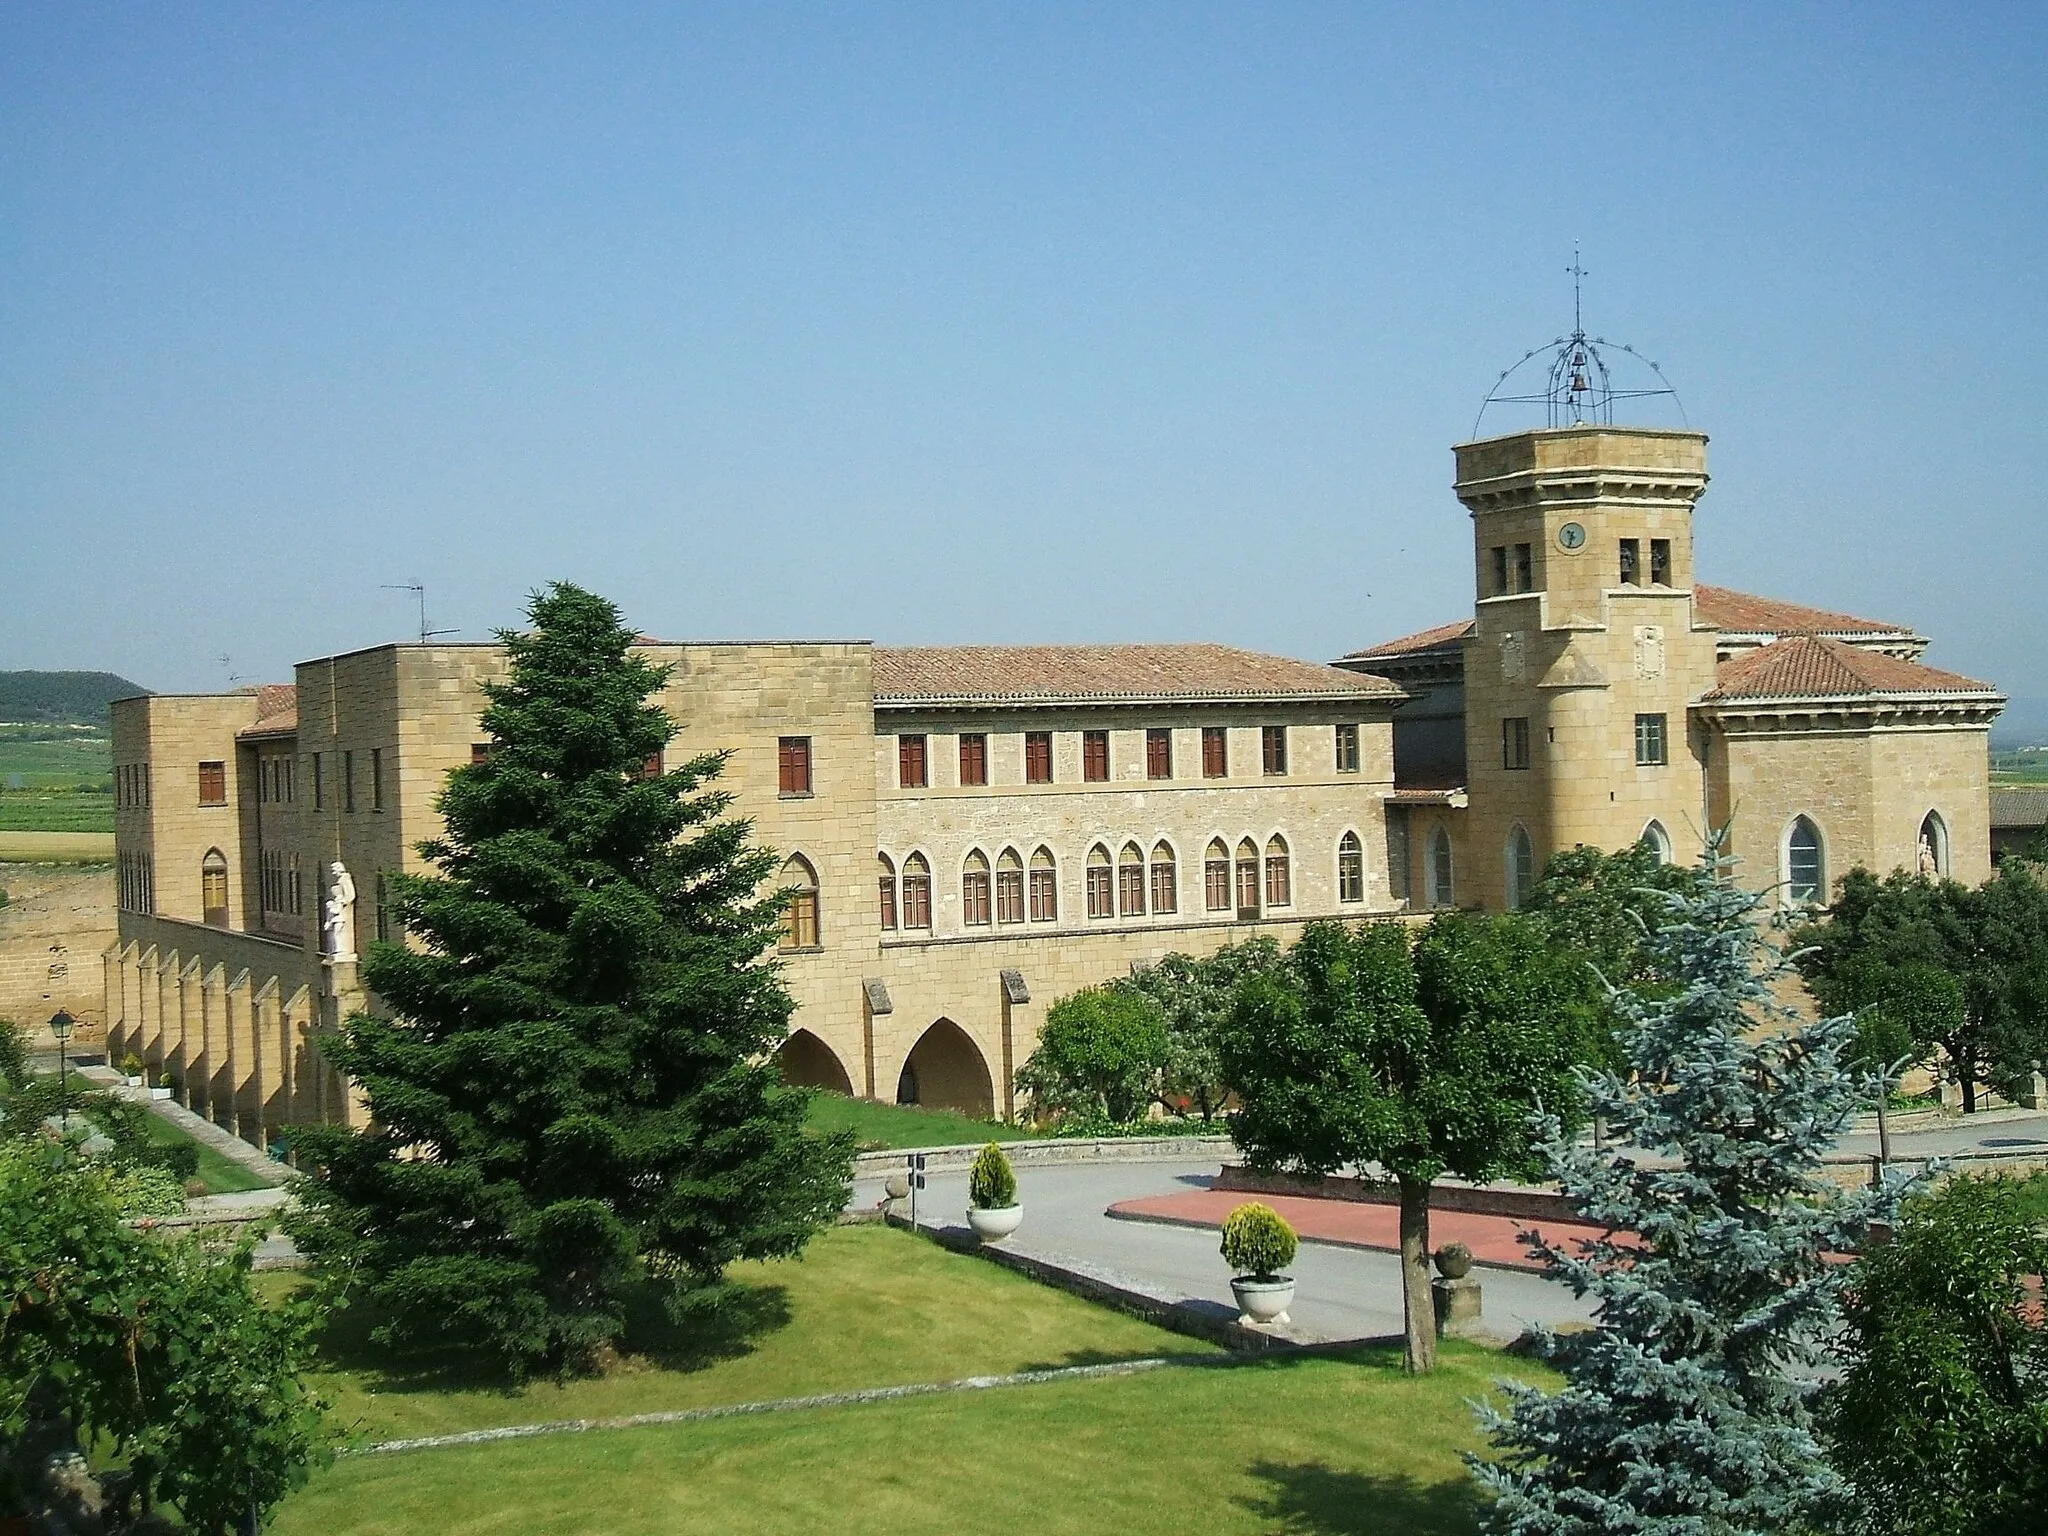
(61, 1025)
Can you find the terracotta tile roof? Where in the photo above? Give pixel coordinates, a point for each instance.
(2019, 806)
(1816, 667)
(1747, 614)
(1421, 640)
(277, 710)
(1093, 674)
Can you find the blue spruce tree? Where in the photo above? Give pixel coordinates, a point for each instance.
(1686, 1407)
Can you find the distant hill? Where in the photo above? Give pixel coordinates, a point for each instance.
(62, 698)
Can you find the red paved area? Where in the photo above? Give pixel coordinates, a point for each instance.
(1357, 1224)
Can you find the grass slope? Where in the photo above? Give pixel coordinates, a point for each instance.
(880, 1126)
(1300, 1445)
(867, 1306)
(220, 1175)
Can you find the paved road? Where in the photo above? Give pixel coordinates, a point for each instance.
(1341, 1292)
(2012, 1131)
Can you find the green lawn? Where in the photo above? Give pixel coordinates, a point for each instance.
(867, 1306)
(879, 1126)
(220, 1175)
(1299, 1445)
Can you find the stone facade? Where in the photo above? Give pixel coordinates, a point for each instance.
(231, 993)
(1607, 696)
(978, 831)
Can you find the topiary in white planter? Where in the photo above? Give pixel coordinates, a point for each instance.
(992, 1208)
(1257, 1244)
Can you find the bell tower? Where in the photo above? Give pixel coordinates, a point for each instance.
(1584, 654)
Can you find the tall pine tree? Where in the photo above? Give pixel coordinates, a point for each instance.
(1687, 1406)
(569, 1088)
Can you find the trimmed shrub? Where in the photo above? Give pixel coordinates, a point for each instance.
(992, 1183)
(1257, 1241)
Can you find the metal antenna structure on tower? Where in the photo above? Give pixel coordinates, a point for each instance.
(419, 590)
(1580, 389)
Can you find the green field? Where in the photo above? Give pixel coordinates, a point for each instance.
(866, 1306)
(1318, 1445)
(1304, 1445)
(878, 1127)
(52, 780)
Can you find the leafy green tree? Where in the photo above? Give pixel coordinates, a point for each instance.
(1099, 1056)
(1196, 997)
(1602, 906)
(1425, 1060)
(1687, 1406)
(155, 1353)
(1881, 938)
(572, 1089)
(1940, 1417)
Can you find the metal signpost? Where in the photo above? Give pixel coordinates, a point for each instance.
(915, 1162)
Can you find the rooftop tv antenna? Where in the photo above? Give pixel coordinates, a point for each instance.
(419, 590)
(1579, 389)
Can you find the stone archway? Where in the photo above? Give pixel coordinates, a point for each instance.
(945, 1070)
(808, 1062)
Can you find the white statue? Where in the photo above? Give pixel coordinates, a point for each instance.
(338, 920)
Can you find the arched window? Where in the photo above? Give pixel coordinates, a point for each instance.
(800, 917)
(1933, 850)
(213, 888)
(887, 884)
(1521, 862)
(974, 902)
(1009, 887)
(1279, 873)
(1657, 840)
(917, 892)
(1247, 878)
(1045, 887)
(1101, 883)
(1216, 876)
(1165, 879)
(1350, 868)
(1130, 881)
(1806, 873)
(1441, 891)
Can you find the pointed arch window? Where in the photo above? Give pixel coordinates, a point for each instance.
(1350, 868)
(1216, 876)
(800, 917)
(1521, 862)
(1279, 873)
(1101, 883)
(1658, 841)
(1441, 891)
(1009, 887)
(1247, 878)
(1806, 873)
(917, 892)
(974, 891)
(886, 883)
(213, 889)
(1130, 881)
(1165, 879)
(1045, 887)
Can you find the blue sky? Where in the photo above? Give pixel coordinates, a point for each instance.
(967, 323)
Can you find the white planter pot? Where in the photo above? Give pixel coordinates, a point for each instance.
(159, 1093)
(132, 1082)
(992, 1226)
(1263, 1301)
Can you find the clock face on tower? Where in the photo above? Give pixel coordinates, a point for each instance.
(1571, 536)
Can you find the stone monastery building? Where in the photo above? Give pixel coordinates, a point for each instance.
(974, 832)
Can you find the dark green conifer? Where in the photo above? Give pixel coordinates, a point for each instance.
(569, 1084)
